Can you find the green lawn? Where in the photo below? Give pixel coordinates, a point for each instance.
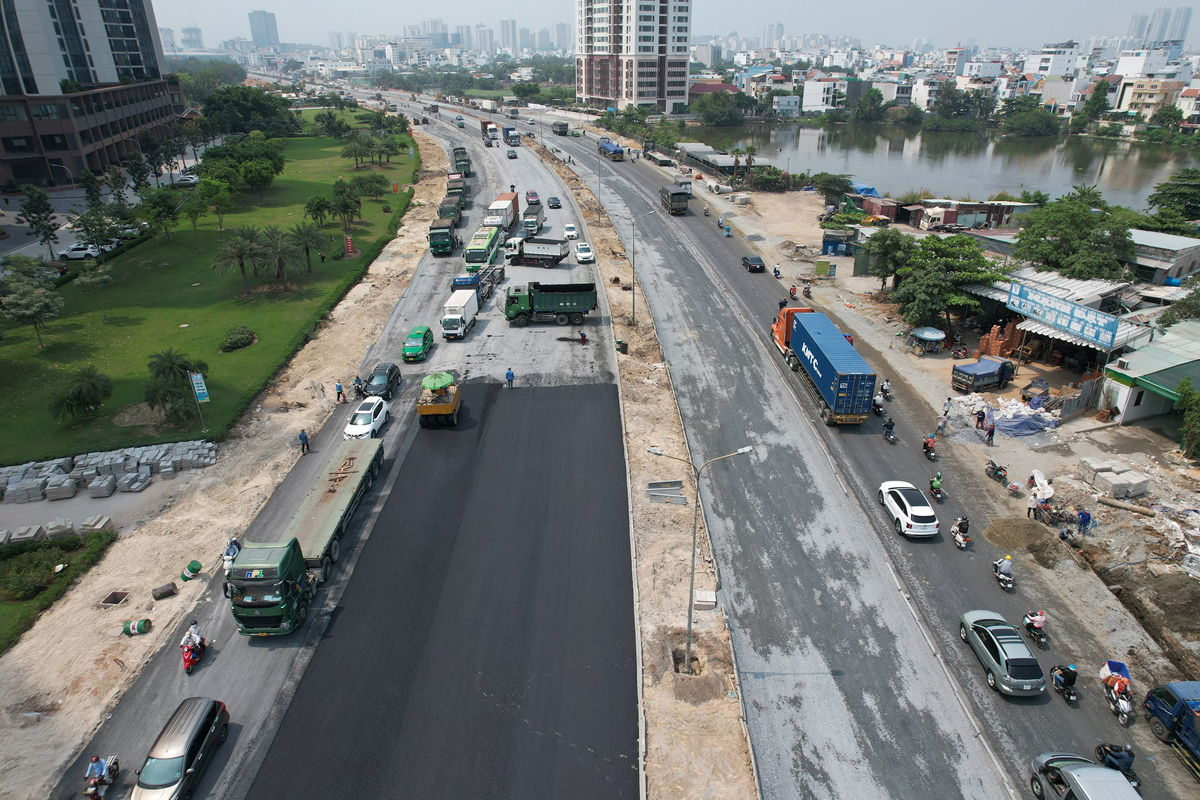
(166, 295)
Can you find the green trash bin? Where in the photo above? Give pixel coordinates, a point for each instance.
(622, 346)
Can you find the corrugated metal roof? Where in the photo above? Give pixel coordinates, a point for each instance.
(1180, 344)
(1165, 241)
(1126, 332)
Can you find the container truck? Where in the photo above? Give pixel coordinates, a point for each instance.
(503, 213)
(544, 252)
(611, 151)
(674, 199)
(483, 282)
(462, 161)
(533, 219)
(986, 373)
(662, 161)
(837, 378)
(564, 303)
(489, 105)
(442, 239)
(271, 584)
(1173, 711)
(559, 128)
(512, 113)
(489, 129)
(459, 313)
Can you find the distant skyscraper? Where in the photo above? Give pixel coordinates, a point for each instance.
(614, 66)
(167, 37)
(341, 40)
(190, 39)
(562, 36)
(1137, 26)
(432, 26)
(543, 40)
(465, 40)
(1160, 20)
(524, 39)
(772, 34)
(1180, 20)
(485, 39)
(508, 35)
(262, 29)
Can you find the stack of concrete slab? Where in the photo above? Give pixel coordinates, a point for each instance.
(132, 482)
(59, 528)
(26, 491)
(102, 486)
(95, 523)
(4, 537)
(61, 488)
(1113, 478)
(30, 533)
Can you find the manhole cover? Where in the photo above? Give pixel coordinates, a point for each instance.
(114, 599)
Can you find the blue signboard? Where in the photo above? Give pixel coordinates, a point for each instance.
(199, 387)
(1095, 326)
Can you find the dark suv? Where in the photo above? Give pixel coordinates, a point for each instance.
(182, 750)
(383, 381)
(753, 264)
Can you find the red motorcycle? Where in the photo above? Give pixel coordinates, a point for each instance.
(192, 655)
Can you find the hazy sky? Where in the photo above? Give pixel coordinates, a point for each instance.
(1018, 23)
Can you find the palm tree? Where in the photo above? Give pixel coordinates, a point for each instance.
(1087, 194)
(750, 152)
(243, 246)
(346, 207)
(279, 252)
(324, 123)
(357, 150)
(737, 153)
(306, 236)
(318, 208)
(389, 147)
(171, 367)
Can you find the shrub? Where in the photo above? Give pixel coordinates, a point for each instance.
(386, 210)
(26, 575)
(237, 338)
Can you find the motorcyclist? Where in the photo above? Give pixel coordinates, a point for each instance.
(358, 387)
(889, 426)
(1118, 757)
(777, 272)
(807, 291)
(935, 483)
(783, 304)
(963, 524)
(928, 444)
(706, 211)
(98, 769)
(233, 548)
(1003, 566)
(1035, 621)
(886, 387)
(1063, 677)
(877, 401)
(192, 639)
(792, 291)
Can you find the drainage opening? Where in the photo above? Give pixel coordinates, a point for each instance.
(114, 599)
(677, 656)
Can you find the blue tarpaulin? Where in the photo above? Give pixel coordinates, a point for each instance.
(986, 367)
(864, 190)
(1021, 425)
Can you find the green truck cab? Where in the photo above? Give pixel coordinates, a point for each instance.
(442, 239)
(271, 584)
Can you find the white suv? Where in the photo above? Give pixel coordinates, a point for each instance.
(910, 512)
(583, 253)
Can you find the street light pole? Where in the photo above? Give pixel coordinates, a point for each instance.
(70, 174)
(633, 263)
(687, 653)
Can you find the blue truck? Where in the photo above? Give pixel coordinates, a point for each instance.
(484, 282)
(611, 151)
(1173, 711)
(837, 377)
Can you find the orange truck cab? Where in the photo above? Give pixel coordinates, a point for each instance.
(781, 327)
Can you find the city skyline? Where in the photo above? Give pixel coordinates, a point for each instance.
(310, 22)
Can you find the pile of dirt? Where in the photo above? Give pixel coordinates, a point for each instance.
(1014, 533)
(138, 415)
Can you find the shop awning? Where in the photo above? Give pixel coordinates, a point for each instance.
(1126, 332)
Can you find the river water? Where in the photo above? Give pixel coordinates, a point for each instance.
(894, 159)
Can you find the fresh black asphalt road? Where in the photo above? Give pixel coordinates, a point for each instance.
(485, 647)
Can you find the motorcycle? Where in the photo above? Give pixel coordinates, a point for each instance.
(1067, 690)
(937, 492)
(1005, 579)
(1120, 703)
(1102, 750)
(807, 292)
(996, 472)
(706, 214)
(959, 532)
(192, 655)
(97, 787)
(960, 352)
(877, 406)
(889, 435)
(887, 393)
(930, 450)
(1037, 635)
(777, 272)
(792, 292)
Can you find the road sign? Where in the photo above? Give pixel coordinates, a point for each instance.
(199, 387)
(349, 245)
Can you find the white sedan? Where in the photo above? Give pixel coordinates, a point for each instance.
(368, 419)
(584, 254)
(569, 231)
(908, 509)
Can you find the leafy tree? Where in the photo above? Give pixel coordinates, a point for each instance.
(92, 188)
(200, 78)
(913, 115)
(217, 193)
(160, 209)
(139, 171)
(1032, 123)
(717, 109)
(18, 270)
(96, 276)
(832, 186)
(1167, 117)
(240, 249)
(95, 226)
(1090, 195)
(30, 305)
(318, 208)
(933, 279)
(258, 175)
(980, 104)
(291, 65)
(950, 102)
(242, 109)
(115, 178)
(1038, 198)
(1068, 236)
(280, 253)
(1020, 104)
(374, 185)
(306, 236)
(869, 108)
(38, 214)
(1189, 404)
(85, 397)
(889, 250)
(195, 207)
(525, 90)
(192, 132)
(1096, 105)
(1180, 193)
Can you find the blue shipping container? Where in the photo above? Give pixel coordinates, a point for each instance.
(844, 380)
(469, 281)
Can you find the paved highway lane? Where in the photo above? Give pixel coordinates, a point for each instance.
(944, 581)
(845, 698)
(485, 647)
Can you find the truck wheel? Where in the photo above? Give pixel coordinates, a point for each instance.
(562, 319)
(827, 416)
(1160, 730)
(326, 567)
(335, 550)
(577, 319)
(521, 320)
(302, 611)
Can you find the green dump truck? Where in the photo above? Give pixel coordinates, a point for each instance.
(563, 303)
(462, 161)
(443, 241)
(451, 208)
(271, 584)
(559, 128)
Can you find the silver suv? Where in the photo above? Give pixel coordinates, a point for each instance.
(1011, 667)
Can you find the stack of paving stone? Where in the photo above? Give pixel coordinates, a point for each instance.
(61, 487)
(59, 528)
(94, 523)
(102, 486)
(28, 490)
(30, 533)
(133, 481)
(1112, 478)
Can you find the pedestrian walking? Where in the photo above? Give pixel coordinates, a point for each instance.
(991, 433)
(980, 416)
(303, 442)
(1031, 505)
(946, 407)
(508, 376)
(322, 258)
(941, 425)
(341, 393)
